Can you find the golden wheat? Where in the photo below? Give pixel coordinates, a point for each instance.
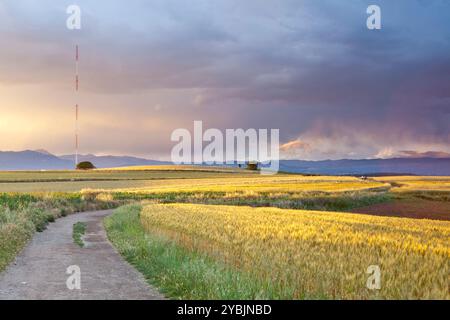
(282, 183)
(315, 254)
(417, 183)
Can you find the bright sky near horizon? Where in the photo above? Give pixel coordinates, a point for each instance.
(310, 68)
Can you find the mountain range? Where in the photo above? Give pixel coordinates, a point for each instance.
(44, 160)
(394, 166)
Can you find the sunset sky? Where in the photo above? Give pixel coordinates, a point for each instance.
(310, 68)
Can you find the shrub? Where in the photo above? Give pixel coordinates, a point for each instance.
(85, 165)
(64, 212)
(38, 217)
(252, 166)
(50, 217)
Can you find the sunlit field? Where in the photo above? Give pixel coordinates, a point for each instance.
(137, 173)
(285, 191)
(284, 183)
(233, 233)
(417, 183)
(297, 254)
(180, 168)
(198, 179)
(172, 181)
(73, 181)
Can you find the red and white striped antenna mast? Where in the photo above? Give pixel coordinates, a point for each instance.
(76, 106)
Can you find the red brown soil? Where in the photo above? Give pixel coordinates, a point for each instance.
(414, 208)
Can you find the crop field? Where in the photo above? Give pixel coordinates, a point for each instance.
(232, 233)
(74, 181)
(177, 181)
(186, 168)
(146, 173)
(285, 191)
(322, 254)
(417, 183)
(261, 184)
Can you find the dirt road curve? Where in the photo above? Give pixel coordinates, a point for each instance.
(39, 272)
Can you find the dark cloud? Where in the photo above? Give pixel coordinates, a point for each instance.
(310, 68)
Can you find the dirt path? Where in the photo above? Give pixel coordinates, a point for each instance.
(39, 272)
(414, 208)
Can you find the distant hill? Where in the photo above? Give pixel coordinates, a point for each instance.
(413, 166)
(32, 160)
(114, 161)
(43, 160)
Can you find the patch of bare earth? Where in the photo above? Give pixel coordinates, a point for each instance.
(410, 208)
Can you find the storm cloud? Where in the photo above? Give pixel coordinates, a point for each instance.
(310, 68)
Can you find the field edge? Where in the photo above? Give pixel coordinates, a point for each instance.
(177, 272)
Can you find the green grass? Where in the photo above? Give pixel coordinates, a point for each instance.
(15, 231)
(17, 228)
(179, 273)
(15, 201)
(79, 229)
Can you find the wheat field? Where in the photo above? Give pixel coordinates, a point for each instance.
(299, 254)
(319, 250)
(417, 183)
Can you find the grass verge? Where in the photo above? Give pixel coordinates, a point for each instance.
(179, 273)
(79, 229)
